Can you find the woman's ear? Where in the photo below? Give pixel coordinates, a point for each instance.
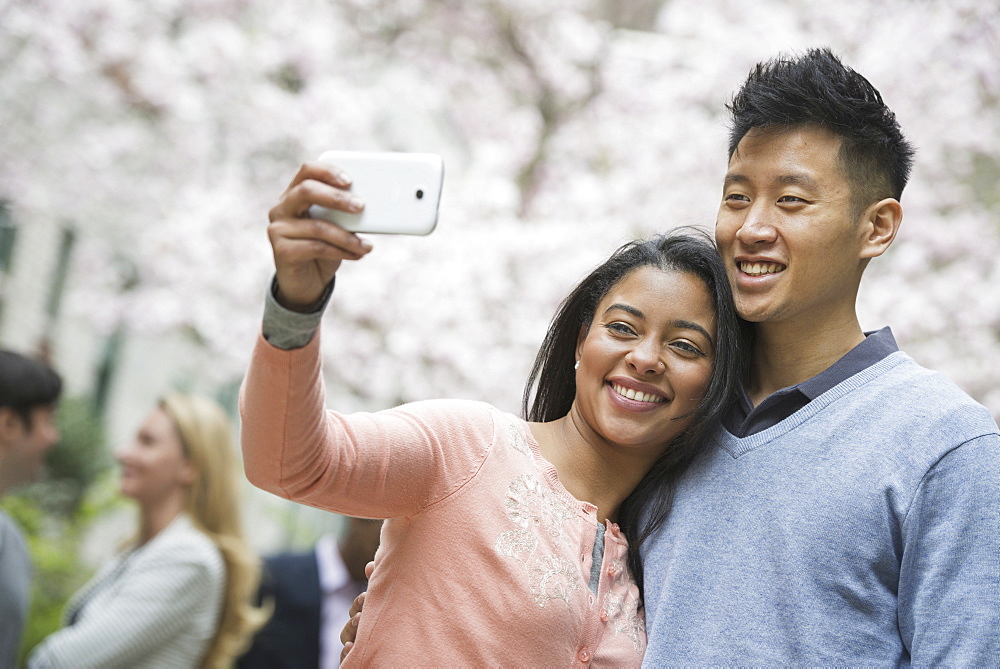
(188, 474)
(579, 342)
(881, 223)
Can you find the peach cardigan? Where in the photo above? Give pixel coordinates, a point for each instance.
(485, 557)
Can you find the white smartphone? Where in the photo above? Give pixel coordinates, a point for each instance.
(401, 191)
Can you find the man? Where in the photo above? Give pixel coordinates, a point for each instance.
(849, 512)
(28, 394)
(312, 593)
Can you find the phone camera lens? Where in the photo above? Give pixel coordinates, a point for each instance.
(420, 194)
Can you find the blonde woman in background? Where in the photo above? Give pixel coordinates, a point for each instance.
(180, 594)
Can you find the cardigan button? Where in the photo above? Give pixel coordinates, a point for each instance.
(584, 655)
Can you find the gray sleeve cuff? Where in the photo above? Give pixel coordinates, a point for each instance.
(287, 329)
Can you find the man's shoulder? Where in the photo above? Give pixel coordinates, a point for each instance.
(11, 537)
(292, 563)
(292, 558)
(294, 577)
(908, 392)
(902, 376)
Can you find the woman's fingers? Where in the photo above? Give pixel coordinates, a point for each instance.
(307, 251)
(298, 198)
(307, 254)
(304, 239)
(323, 172)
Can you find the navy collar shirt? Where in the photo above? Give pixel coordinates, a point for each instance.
(745, 419)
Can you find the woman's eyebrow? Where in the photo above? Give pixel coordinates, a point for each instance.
(691, 325)
(678, 323)
(626, 308)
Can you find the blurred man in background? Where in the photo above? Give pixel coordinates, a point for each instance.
(312, 593)
(29, 391)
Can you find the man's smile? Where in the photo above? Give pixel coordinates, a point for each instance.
(760, 268)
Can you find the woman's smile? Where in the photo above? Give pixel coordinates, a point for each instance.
(635, 395)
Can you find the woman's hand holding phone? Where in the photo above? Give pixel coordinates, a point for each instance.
(308, 251)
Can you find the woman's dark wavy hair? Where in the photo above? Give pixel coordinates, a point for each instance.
(816, 88)
(553, 377)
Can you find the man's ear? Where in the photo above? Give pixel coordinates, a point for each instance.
(11, 426)
(881, 223)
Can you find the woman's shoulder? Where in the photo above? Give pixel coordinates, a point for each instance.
(453, 412)
(182, 541)
(446, 406)
(467, 416)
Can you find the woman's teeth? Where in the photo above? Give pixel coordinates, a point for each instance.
(636, 395)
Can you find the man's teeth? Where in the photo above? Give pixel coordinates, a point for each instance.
(760, 268)
(637, 396)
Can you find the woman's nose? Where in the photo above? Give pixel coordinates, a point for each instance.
(645, 359)
(121, 453)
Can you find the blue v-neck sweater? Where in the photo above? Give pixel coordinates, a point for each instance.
(864, 529)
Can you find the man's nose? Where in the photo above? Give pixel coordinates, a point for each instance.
(757, 226)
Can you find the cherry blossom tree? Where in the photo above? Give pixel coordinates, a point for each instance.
(164, 131)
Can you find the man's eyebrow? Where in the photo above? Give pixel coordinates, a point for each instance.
(803, 180)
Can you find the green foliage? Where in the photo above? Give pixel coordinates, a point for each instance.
(56, 568)
(54, 544)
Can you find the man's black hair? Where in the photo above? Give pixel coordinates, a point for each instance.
(817, 89)
(26, 384)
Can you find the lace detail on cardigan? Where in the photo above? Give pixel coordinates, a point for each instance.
(537, 511)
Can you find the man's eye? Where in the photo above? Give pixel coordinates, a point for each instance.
(791, 199)
(736, 197)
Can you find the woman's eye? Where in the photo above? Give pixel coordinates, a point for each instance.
(688, 348)
(620, 328)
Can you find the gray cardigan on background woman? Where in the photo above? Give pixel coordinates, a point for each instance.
(155, 606)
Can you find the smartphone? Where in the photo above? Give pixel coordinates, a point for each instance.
(401, 191)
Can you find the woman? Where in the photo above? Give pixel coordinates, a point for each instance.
(180, 595)
(495, 549)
